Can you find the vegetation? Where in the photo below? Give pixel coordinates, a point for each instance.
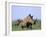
(36, 26)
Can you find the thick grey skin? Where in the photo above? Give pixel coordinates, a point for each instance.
(26, 23)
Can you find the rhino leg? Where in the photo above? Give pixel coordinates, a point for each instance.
(29, 25)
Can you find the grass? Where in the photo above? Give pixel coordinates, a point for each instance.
(36, 26)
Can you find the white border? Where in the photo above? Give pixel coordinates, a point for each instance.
(9, 27)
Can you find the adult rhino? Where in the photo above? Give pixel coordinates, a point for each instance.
(26, 22)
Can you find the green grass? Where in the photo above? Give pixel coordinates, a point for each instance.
(36, 26)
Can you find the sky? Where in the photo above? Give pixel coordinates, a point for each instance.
(19, 12)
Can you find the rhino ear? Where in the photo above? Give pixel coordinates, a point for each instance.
(30, 15)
